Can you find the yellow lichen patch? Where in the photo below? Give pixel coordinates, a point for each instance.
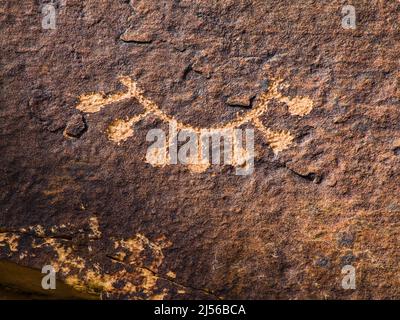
(159, 296)
(99, 282)
(39, 230)
(74, 282)
(58, 229)
(144, 257)
(94, 227)
(120, 256)
(65, 260)
(149, 280)
(138, 244)
(171, 274)
(94, 282)
(133, 245)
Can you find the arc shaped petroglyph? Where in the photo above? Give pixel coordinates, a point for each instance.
(120, 130)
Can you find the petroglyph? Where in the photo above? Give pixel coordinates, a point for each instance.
(164, 151)
(120, 130)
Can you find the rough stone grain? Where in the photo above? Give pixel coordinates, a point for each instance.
(325, 187)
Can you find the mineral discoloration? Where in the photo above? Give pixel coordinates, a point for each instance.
(138, 260)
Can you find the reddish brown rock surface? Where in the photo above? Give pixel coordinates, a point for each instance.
(114, 225)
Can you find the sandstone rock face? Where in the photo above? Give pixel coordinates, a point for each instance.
(78, 193)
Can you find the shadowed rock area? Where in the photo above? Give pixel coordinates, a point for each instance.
(78, 193)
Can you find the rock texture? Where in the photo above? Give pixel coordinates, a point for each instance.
(77, 193)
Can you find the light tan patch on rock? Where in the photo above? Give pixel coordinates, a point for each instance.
(9, 239)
